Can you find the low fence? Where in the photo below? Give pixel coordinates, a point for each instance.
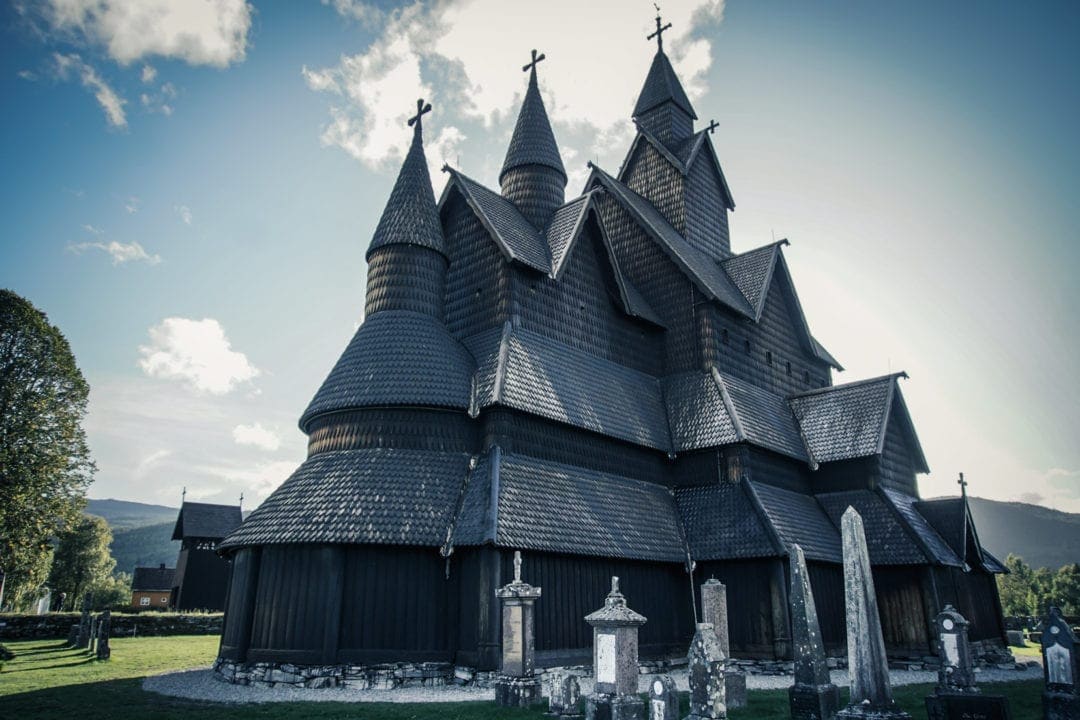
(17, 626)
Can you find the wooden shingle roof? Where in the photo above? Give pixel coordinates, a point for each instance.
(533, 142)
(206, 520)
(662, 85)
(149, 579)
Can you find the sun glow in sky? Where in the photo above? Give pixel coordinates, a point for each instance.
(189, 189)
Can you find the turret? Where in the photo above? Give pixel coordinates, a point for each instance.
(533, 177)
(407, 258)
(663, 108)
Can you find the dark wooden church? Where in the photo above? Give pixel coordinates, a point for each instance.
(201, 577)
(607, 386)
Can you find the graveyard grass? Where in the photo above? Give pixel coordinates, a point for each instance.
(45, 680)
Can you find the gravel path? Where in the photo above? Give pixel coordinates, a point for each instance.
(201, 684)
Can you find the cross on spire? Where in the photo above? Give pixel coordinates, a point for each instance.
(532, 65)
(421, 108)
(659, 34)
(963, 485)
(712, 126)
(183, 494)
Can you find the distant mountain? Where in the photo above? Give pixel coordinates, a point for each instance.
(147, 546)
(122, 515)
(1043, 537)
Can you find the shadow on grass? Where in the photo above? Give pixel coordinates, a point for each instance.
(76, 663)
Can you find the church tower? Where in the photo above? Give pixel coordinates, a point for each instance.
(532, 176)
(407, 257)
(663, 109)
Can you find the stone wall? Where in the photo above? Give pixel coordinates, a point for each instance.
(56, 625)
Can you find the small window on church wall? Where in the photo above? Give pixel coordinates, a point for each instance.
(734, 471)
(768, 356)
(747, 347)
(789, 368)
(724, 336)
(806, 377)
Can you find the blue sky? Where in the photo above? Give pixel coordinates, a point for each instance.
(189, 192)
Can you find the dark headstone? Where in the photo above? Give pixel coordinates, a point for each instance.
(967, 707)
(516, 685)
(957, 671)
(615, 660)
(1060, 668)
(868, 667)
(73, 635)
(565, 697)
(813, 696)
(663, 699)
(83, 639)
(104, 652)
(708, 693)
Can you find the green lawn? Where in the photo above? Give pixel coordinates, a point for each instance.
(47, 680)
(1029, 651)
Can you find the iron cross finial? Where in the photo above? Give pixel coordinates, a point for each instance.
(712, 126)
(183, 494)
(532, 65)
(241, 499)
(517, 567)
(421, 108)
(963, 484)
(659, 34)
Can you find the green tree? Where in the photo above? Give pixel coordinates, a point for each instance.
(1041, 595)
(113, 592)
(1066, 589)
(45, 464)
(1014, 588)
(82, 561)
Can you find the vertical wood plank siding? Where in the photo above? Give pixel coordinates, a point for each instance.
(749, 602)
(406, 277)
(900, 604)
(827, 584)
(897, 467)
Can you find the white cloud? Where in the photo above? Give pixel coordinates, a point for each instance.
(184, 212)
(93, 230)
(119, 252)
(260, 479)
(27, 75)
(196, 352)
(257, 436)
(131, 205)
(448, 53)
(148, 74)
(197, 32)
(110, 101)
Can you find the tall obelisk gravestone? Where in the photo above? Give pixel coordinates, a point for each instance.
(516, 685)
(868, 668)
(813, 696)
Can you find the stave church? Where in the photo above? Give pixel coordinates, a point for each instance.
(610, 385)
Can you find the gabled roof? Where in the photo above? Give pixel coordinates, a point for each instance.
(682, 157)
(515, 236)
(705, 273)
(206, 520)
(535, 374)
(889, 540)
(153, 579)
(533, 142)
(952, 520)
(410, 216)
(721, 522)
(661, 86)
(523, 502)
(383, 496)
(397, 357)
(798, 519)
(762, 418)
(849, 421)
(564, 228)
(933, 544)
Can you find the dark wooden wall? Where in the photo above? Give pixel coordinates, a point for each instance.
(751, 618)
(202, 580)
(827, 584)
(897, 465)
(975, 595)
(904, 623)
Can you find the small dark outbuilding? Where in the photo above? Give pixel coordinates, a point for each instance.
(201, 576)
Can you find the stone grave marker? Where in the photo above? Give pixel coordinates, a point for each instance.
(615, 660)
(83, 639)
(516, 685)
(663, 698)
(565, 697)
(93, 635)
(714, 611)
(868, 668)
(1060, 669)
(104, 652)
(73, 635)
(708, 693)
(813, 696)
(956, 696)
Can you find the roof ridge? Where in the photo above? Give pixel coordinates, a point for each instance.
(729, 404)
(846, 386)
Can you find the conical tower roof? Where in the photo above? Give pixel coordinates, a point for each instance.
(533, 142)
(410, 216)
(662, 85)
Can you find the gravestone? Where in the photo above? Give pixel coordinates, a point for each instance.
(73, 635)
(615, 660)
(1060, 669)
(93, 635)
(1015, 637)
(516, 685)
(956, 696)
(813, 696)
(104, 652)
(868, 668)
(708, 697)
(83, 639)
(663, 699)
(714, 612)
(565, 697)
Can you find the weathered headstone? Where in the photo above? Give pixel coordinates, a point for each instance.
(714, 612)
(84, 624)
(708, 695)
(813, 696)
(93, 635)
(73, 635)
(104, 652)
(663, 699)
(1061, 669)
(516, 685)
(1015, 637)
(956, 696)
(868, 668)
(565, 697)
(615, 660)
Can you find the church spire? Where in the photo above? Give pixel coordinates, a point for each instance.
(532, 176)
(410, 217)
(662, 107)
